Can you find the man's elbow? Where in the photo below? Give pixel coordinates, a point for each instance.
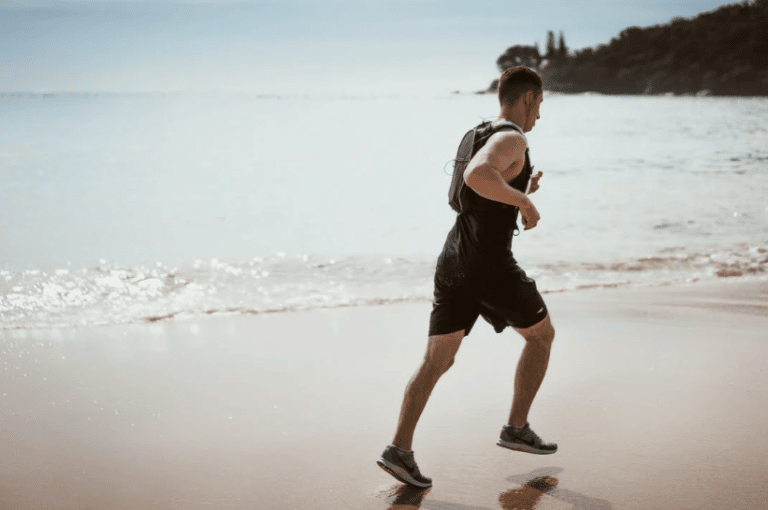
(478, 177)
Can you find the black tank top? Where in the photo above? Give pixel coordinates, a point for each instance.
(481, 239)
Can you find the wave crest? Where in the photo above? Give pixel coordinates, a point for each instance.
(110, 294)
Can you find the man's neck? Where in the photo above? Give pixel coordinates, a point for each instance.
(514, 115)
(515, 119)
(502, 119)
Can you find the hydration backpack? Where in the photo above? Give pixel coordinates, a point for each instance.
(472, 142)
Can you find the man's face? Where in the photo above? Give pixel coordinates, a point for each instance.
(534, 101)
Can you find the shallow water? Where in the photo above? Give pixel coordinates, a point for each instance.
(124, 208)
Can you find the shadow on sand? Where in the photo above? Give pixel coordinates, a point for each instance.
(533, 485)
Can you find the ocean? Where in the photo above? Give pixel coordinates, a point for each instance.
(126, 208)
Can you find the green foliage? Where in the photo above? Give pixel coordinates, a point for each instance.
(722, 52)
(562, 49)
(551, 50)
(519, 56)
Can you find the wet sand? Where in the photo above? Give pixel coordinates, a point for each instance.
(657, 397)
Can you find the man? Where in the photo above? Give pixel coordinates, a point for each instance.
(477, 275)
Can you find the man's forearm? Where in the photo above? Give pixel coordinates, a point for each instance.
(487, 182)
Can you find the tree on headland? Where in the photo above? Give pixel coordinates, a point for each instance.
(519, 55)
(551, 50)
(562, 49)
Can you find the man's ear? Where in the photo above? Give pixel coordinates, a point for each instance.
(530, 96)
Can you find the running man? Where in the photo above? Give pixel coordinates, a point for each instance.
(477, 275)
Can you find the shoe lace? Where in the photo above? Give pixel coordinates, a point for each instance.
(410, 462)
(534, 436)
(527, 434)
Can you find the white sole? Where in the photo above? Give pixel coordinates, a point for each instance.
(401, 474)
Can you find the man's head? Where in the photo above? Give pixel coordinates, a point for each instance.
(520, 91)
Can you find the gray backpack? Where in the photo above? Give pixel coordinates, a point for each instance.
(472, 142)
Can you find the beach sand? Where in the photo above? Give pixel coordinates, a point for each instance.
(657, 397)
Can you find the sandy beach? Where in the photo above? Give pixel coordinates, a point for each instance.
(657, 397)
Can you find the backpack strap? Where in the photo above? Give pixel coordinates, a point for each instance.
(503, 126)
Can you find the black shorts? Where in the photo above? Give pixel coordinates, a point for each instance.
(503, 298)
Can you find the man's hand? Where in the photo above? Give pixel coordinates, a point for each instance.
(529, 214)
(534, 182)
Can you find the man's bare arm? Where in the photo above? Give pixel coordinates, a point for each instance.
(484, 177)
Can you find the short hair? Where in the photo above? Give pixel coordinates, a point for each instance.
(516, 81)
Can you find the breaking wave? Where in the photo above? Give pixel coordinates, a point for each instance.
(113, 294)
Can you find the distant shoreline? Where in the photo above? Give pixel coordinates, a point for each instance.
(723, 52)
(704, 93)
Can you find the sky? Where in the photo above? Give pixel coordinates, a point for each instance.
(298, 47)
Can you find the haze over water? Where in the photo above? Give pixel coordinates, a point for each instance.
(292, 46)
(123, 208)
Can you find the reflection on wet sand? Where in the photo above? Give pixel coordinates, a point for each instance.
(408, 497)
(527, 496)
(533, 485)
(543, 478)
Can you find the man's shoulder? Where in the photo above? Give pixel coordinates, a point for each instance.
(508, 141)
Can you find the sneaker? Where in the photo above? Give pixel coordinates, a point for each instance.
(401, 465)
(523, 439)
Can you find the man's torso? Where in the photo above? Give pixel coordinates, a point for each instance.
(480, 240)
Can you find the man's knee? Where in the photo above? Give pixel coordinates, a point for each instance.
(545, 337)
(441, 353)
(549, 333)
(436, 364)
(541, 334)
